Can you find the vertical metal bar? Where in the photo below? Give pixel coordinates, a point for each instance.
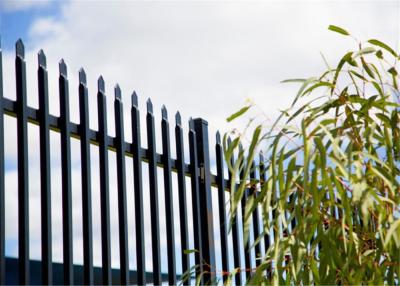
(155, 224)
(169, 206)
(45, 186)
(235, 232)
(23, 177)
(256, 216)
(65, 131)
(263, 180)
(2, 183)
(221, 205)
(291, 203)
(182, 192)
(104, 183)
(247, 260)
(267, 236)
(138, 185)
(86, 180)
(122, 212)
(194, 177)
(206, 214)
(276, 226)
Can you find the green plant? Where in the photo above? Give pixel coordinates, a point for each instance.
(332, 162)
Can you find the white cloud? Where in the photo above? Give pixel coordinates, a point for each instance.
(44, 27)
(19, 5)
(205, 58)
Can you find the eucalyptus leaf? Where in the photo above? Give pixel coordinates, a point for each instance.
(338, 30)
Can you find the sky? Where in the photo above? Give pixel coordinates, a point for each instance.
(202, 58)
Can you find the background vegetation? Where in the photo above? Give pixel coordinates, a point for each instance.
(330, 201)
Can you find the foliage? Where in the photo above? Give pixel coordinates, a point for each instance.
(330, 200)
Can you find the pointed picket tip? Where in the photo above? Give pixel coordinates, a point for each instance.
(20, 49)
(62, 67)
(42, 59)
(191, 124)
(164, 112)
(240, 147)
(117, 92)
(134, 99)
(229, 140)
(82, 76)
(178, 119)
(101, 84)
(218, 137)
(0, 42)
(149, 105)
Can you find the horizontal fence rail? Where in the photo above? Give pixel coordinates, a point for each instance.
(200, 225)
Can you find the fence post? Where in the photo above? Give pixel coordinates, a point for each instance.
(206, 215)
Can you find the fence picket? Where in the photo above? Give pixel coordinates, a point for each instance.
(47, 273)
(23, 176)
(65, 131)
(247, 258)
(222, 206)
(256, 216)
(138, 186)
(155, 224)
(267, 236)
(86, 180)
(235, 233)
(121, 181)
(104, 183)
(169, 207)
(194, 175)
(182, 192)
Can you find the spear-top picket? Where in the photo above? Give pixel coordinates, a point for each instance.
(45, 170)
(86, 179)
(104, 183)
(23, 173)
(169, 207)
(66, 180)
(121, 183)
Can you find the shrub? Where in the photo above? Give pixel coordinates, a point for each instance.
(332, 183)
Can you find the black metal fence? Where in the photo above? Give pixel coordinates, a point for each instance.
(201, 182)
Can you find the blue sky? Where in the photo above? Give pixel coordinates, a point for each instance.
(202, 58)
(16, 20)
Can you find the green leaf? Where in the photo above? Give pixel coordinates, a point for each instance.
(377, 87)
(378, 43)
(364, 51)
(346, 58)
(393, 71)
(238, 113)
(358, 75)
(189, 251)
(293, 80)
(302, 88)
(319, 84)
(367, 68)
(391, 233)
(338, 30)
